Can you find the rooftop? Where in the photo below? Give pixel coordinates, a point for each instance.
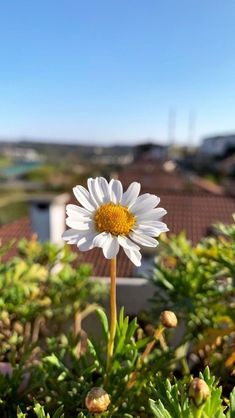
(193, 213)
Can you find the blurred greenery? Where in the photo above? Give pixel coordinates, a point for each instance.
(50, 177)
(4, 161)
(11, 212)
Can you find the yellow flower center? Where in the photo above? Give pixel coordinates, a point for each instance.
(115, 219)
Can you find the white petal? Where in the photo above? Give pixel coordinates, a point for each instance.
(102, 189)
(100, 239)
(86, 242)
(143, 239)
(84, 198)
(125, 242)
(152, 224)
(111, 247)
(131, 194)
(152, 215)
(116, 191)
(76, 224)
(77, 210)
(161, 226)
(152, 231)
(142, 197)
(91, 184)
(78, 219)
(145, 203)
(71, 236)
(134, 256)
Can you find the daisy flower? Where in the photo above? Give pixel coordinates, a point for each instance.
(110, 218)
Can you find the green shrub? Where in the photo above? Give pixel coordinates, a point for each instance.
(40, 292)
(198, 283)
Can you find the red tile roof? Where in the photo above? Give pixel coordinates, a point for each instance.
(101, 266)
(152, 176)
(193, 205)
(196, 213)
(20, 228)
(193, 213)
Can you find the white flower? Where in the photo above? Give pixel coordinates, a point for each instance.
(110, 218)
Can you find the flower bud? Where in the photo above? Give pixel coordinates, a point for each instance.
(198, 391)
(168, 319)
(97, 400)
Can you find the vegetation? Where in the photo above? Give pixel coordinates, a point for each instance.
(50, 368)
(10, 213)
(198, 283)
(40, 292)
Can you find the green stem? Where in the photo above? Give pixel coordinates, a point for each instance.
(198, 413)
(185, 366)
(113, 311)
(157, 335)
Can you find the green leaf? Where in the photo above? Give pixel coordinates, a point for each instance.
(104, 322)
(39, 411)
(142, 343)
(121, 316)
(158, 409)
(131, 329)
(20, 414)
(53, 360)
(122, 337)
(59, 413)
(231, 413)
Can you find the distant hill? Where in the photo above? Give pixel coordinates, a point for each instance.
(60, 150)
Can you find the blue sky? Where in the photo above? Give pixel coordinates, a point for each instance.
(108, 71)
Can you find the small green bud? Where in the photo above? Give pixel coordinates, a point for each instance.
(97, 400)
(199, 391)
(168, 319)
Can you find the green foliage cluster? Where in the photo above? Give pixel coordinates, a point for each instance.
(40, 291)
(198, 282)
(64, 379)
(171, 400)
(48, 364)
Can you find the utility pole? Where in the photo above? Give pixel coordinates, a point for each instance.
(191, 128)
(171, 130)
(171, 126)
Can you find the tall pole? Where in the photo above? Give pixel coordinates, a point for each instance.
(171, 130)
(171, 126)
(191, 128)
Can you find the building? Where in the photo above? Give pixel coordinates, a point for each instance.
(218, 146)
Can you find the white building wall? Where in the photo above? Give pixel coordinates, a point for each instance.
(57, 222)
(48, 217)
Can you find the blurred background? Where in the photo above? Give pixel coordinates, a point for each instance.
(137, 91)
